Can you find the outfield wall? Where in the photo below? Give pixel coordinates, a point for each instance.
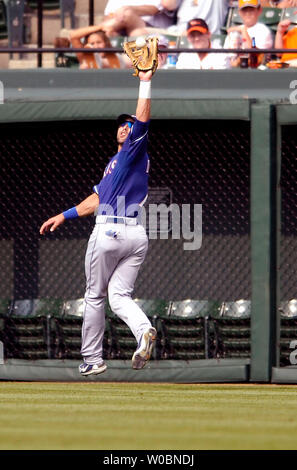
(216, 139)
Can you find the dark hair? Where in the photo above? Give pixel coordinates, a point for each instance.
(103, 36)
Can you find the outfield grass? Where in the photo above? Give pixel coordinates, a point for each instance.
(149, 416)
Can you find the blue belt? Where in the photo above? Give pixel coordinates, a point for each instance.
(105, 219)
(115, 220)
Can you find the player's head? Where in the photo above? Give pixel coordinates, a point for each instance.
(124, 123)
(198, 33)
(249, 10)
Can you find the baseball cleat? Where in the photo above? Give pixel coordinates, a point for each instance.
(144, 350)
(89, 369)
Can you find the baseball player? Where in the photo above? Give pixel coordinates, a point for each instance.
(118, 243)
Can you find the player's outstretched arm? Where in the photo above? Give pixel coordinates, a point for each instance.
(143, 110)
(86, 207)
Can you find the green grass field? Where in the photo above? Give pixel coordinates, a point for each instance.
(117, 416)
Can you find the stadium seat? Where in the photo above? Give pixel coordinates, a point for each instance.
(182, 338)
(238, 309)
(288, 309)
(183, 333)
(232, 330)
(271, 17)
(288, 329)
(22, 308)
(289, 14)
(28, 329)
(28, 337)
(193, 308)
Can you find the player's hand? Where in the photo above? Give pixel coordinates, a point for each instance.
(146, 76)
(52, 223)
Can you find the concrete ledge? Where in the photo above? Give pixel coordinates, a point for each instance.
(284, 375)
(200, 371)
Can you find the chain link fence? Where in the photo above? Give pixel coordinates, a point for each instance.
(49, 167)
(288, 247)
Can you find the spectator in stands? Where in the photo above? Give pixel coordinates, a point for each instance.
(94, 37)
(198, 35)
(249, 10)
(214, 12)
(286, 38)
(137, 17)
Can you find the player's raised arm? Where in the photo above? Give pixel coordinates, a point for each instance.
(143, 110)
(85, 208)
(143, 54)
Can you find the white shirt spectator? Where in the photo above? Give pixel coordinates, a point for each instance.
(189, 60)
(214, 12)
(262, 34)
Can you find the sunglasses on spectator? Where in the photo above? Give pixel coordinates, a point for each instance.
(130, 124)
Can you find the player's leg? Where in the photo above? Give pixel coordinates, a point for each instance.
(120, 288)
(101, 259)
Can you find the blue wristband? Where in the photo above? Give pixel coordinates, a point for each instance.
(71, 213)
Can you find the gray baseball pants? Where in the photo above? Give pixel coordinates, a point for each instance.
(114, 255)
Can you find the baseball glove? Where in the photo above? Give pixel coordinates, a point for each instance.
(143, 54)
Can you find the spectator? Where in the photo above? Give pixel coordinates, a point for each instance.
(286, 38)
(94, 37)
(214, 12)
(249, 10)
(137, 17)
(199, 36)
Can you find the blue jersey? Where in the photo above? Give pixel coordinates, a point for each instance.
(124, 186)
